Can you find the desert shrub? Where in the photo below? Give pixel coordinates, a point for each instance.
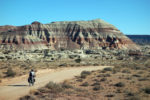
(136, 75)
(52, 59)
(79, 80)
(97, 87)
(103, 75)
(84, 74)
(96, 80)
(128, 78)
(6, 52)
(129, 93)
(79, 90)
(62, 49)
(143, 79)
(108, 69)
(126, 71)
(140, 72)
(43, 90)
(85, 84)
(37, 93)
(109, 95)
(147, 63)
(62, 65)
(66, 86)
(10, 72)
(2, 57)
(116, 69)
(134, 98)
(1, 75)
(46, 53)
(120, 84)
(96, 83)
(147, 90)
(107, 75)
(54, 87)
(134, 66)
(103, 79)
(28, 97)
(118, 91)
(95, 64)
(33, 91)
(78, 60)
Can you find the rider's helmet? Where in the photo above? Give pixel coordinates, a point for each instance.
(32, 70)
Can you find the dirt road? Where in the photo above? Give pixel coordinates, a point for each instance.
(17, 87)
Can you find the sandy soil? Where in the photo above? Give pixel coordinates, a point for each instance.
(12, 89)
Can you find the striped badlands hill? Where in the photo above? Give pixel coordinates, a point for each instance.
(93, 34)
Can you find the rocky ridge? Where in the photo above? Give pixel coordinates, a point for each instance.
(93, 34)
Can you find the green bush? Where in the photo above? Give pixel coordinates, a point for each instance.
(10, 73)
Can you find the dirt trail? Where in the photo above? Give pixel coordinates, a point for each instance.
(14, 88)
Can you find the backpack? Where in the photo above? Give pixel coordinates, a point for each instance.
(31, 74)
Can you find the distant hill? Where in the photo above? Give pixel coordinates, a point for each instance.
(92, 34)
(140, 39)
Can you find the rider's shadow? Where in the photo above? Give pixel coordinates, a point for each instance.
(18, 85)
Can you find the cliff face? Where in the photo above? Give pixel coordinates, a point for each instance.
(92, 34)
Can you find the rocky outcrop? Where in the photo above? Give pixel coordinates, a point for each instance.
(94, 34)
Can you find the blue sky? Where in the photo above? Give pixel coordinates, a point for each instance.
(130, 16)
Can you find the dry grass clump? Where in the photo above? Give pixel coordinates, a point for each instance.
(66, 85)
(10, 72)
(54, 87)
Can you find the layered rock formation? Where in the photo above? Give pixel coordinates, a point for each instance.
(92, 34)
